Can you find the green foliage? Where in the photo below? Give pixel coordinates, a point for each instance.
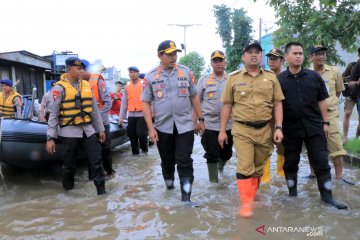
(195, 62)
(353, 146)
(234, 28)
(325, 22)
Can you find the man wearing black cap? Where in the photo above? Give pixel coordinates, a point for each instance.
(210, 88)
(73, 108)
(305, 121)
(10, 100)
(169, 89)
(132, 105)
(45, 101)
(251, 95)
(276, 61)
(334, 85)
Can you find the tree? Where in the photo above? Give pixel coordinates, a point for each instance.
(234, 28)
(325, 22)
(195, 62)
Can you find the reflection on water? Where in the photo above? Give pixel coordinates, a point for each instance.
(138, 206)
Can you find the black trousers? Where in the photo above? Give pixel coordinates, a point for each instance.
(317, 151)
(106, 152)
(137, 132)
(92, 149)
(176, 149)
(213, 151)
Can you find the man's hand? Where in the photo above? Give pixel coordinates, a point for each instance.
(201, 128)
(153, 135)
(121, 121)
(222, 138)
(326, 130)
(102, 137)
(50, 147)
(278, 136)
(196, 127)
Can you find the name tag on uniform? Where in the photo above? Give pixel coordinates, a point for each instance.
(242, 84)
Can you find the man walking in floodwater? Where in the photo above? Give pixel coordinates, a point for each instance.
(305, 121)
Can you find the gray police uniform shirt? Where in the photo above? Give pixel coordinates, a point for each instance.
(72, 131)
(170, 92)
(124, 106)
(45, 101)
(106, 99)
(209, 90)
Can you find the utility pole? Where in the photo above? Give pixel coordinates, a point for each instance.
(260, 29)
(185, 26)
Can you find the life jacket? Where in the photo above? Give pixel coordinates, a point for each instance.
(69, 113)
(6, 104)
(94, 82)
(134, 92)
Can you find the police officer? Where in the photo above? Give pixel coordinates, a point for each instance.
(251, 95)
(305, 121)
(170, 89)
(132, 105)
(10, 100)
(209, 88)
(103, 99)
(334, 85)
(276, 61)
(73, 108)
(45, 101)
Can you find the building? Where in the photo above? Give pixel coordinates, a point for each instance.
(26, 70)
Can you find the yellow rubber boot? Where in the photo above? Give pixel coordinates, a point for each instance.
(279, 165)
(246, 189)
(266, 174)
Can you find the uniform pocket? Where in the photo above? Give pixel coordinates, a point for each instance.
(241, 92)
(210, 92)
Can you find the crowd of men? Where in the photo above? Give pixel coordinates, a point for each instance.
(251, 109)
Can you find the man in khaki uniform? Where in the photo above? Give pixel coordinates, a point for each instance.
(334, 85)
(251, 95)
(276, 61)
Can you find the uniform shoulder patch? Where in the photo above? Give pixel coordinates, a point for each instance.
(234, 72)
(269, 71)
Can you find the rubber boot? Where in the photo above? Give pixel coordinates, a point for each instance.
(213, 172)
(291, 182)
(221, 164)
(266, 174)
(186, 187)
(279, 165)
(325, 188)
(169, 183)
(68, 179)
(247, 190)
(100, 187)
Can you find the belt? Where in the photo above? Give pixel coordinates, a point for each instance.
(256, 125)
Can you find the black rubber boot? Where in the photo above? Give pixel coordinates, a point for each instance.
(186, 187)
(325, 188)
(68, 180)
(291, 182)
(221, 164)
(100, 188)
(169, 183)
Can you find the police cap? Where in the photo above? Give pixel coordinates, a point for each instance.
(317, 48)
(276, 53)
(74, 61)
(217, 54)
(167, 46)
(252, 44)
(133, 68)
(7, 82)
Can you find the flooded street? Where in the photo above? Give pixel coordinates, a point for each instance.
(138, 206)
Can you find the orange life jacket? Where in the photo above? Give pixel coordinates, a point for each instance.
(134, 92)
(94, 80)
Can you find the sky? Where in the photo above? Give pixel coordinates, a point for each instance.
(119, 33)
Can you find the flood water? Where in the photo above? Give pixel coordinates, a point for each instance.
(138, 206)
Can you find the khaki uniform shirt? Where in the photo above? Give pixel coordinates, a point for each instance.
(252, 97)
(210, 90)
(170, 92)
(334, 84)
(72, 131)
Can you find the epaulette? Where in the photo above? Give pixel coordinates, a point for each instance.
(153, 70)
(234, 72)
(269, 71)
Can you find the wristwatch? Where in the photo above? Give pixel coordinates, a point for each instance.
(326, 122)
(49, 138)
(278, 127)
(201, 119)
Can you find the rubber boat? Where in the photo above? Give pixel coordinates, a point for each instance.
(22, 141)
